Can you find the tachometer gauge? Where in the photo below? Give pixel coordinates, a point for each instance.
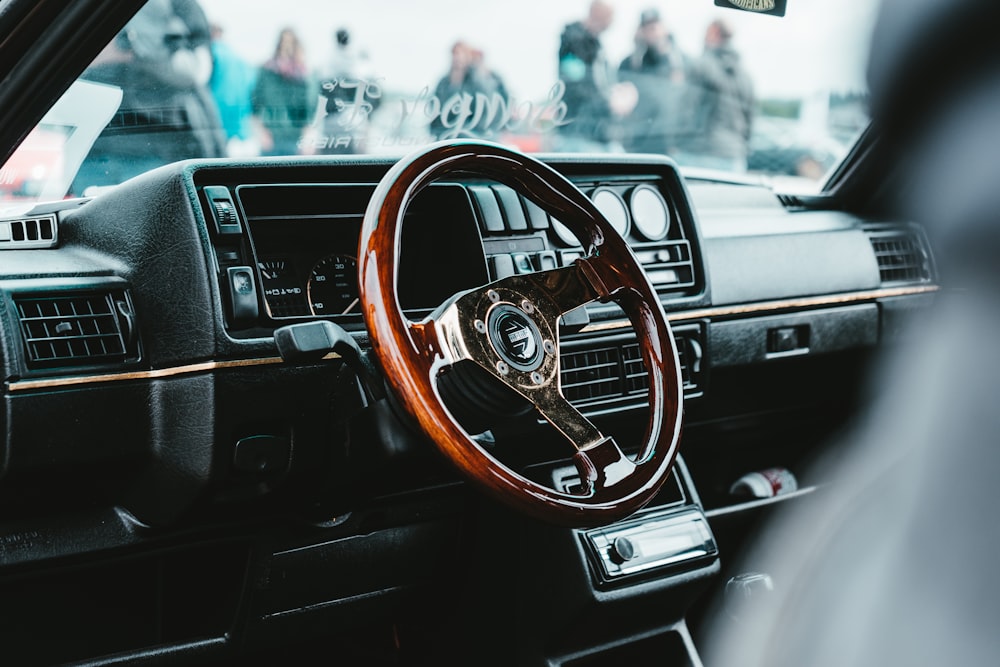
(333, 286)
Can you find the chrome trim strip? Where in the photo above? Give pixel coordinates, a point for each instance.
(720, 311)
(781, 304)
(156, 374)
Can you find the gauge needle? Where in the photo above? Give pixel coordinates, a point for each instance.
(349, 307)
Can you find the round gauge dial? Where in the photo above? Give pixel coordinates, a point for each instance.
(565, 236)
(272, 269)
(650, 212)
(333, 286)
(613, 208)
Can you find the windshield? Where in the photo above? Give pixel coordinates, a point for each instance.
(779, 99)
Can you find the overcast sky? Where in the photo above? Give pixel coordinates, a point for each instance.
(819, 44)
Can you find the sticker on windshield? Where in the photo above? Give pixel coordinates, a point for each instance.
(770, 7)
(345, 108)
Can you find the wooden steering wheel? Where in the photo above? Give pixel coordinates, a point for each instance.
(510, 329)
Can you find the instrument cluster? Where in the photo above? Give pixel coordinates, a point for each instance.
(305, 240)
(296, 285)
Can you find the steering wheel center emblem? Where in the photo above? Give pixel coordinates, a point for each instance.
(515, 337)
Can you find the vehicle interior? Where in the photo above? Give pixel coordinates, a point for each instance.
(460, 404)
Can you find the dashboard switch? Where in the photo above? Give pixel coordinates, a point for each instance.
(546, 260)
(522, 263)
(503, 266)
(512, 210)
(242, 294)
(220, 202)
(538, 218)
(489, 209)
(787, 339)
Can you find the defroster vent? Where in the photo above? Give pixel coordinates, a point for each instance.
(25, 233)
(81, 329)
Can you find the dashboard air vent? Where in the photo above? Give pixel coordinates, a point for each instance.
(616, 371)
(80, 329)
(901, 256)
(592, 374)
(37, 232)
(669, 266)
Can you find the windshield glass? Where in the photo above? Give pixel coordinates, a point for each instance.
(780, 99)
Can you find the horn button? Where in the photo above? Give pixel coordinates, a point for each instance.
(515, 338)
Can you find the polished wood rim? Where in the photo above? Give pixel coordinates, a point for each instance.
(412, 354)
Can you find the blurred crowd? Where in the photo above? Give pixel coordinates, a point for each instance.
(697, 109)
(178, 74)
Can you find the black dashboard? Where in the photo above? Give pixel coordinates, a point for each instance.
(151, 424)
(302, 237)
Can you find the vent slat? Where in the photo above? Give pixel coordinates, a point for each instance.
(670, 267)
(24, 233)
(791, 201)
(71, 330)
(611, 373)
(900, 256)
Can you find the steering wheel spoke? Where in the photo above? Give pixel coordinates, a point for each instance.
(565, 418)
(510, 327)
(602, 466)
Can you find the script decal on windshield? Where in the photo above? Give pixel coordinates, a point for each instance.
(345, 111)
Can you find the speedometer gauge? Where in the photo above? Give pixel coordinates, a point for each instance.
(333, 286)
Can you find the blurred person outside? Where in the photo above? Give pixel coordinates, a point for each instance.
(487, 76)
(232, 85)
(722, 106)
(350, 93)
(162, 63)
(658, 70)
(346, 60)
(284, 98)
(457, 91)
(595, 101)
